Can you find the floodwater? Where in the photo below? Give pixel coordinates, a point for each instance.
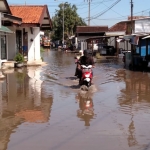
(42, 108)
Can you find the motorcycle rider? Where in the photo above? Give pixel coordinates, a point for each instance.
(77, 58)
(86, 59)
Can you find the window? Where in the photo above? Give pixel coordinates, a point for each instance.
(143, 47)
(148, 46)
(3, 47)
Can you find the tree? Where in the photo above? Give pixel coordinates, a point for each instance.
(71, 21)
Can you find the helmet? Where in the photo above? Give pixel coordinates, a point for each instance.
(85, 52)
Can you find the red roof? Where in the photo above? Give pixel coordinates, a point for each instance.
(118, 27)
(91, 29)
(29, 14)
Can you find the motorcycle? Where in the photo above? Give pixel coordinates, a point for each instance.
(87, 75)
(86, 110)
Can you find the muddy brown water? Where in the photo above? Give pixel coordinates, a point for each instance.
(42, 108)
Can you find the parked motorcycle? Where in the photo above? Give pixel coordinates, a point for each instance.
(87, 75)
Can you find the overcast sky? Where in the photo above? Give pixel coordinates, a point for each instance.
(111, 16)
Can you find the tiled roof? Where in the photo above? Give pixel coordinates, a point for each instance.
(118, 27)
(29, 14)
(91, 29)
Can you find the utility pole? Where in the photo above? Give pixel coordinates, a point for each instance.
(89, 2)
(131, 16)
(63, 24)
(132, 28)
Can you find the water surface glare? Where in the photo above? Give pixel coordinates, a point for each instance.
(44, 107)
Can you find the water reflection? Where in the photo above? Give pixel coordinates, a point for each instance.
(86, 107)
(134, 102)
(22, 99)
(136, 90)
(132, 141)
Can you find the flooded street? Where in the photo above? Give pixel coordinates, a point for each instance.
(42, 108)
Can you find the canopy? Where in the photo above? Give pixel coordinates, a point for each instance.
(5, 29)
(146, 37)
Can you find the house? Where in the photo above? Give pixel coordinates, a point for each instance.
(120, 34)
(6, 20)
(142, 30)
(89, 35)
(20, 28)
(35, 18)
(140, 42)
(116, 33)
(136, 41)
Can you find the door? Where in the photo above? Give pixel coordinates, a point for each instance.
(25, 43)
(19, 41)
(3, 47)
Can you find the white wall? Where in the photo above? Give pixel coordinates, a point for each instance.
(0, 52)
(1, 102)
(11, 44)
(34, 46)
(0, 19)
(142, 26)
(0, 39)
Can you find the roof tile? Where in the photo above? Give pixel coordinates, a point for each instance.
(91, 29)
(118, 27)
(29, 14)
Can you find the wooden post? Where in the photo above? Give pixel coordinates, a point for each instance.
(116, 46)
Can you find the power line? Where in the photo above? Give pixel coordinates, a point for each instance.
(106, 9)
(119, 18)
(112, 10)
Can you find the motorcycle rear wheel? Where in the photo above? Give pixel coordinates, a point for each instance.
(88, 84)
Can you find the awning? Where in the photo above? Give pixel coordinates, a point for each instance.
(113, 34)
(12, 18)
(5, 29)
(120, 40)
(133, 39)
(146, 37)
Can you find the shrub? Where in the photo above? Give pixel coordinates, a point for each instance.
(19, 57)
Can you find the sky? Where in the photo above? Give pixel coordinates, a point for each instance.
(100, 10)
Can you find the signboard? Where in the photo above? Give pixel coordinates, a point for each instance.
(142, 26)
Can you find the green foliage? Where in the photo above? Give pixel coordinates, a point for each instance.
(19, 57)
(42, 49)
(71, 21)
